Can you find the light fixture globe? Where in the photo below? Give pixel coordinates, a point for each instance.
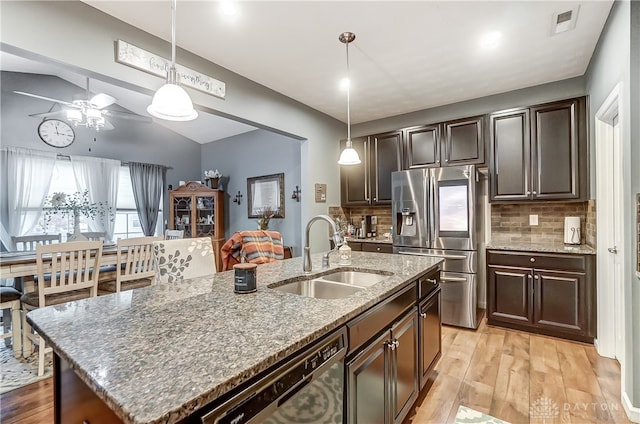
(171, 102)
(349, 156)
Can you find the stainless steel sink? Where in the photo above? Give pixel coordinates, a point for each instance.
(355, 278)
(319, 288)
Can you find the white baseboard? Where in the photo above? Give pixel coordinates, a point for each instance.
(633, 413)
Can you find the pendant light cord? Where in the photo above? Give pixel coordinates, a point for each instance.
(348, 95)
(173, 33)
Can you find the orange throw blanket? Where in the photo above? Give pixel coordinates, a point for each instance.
(258, 247)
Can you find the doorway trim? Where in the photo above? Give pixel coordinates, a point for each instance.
(610, 306)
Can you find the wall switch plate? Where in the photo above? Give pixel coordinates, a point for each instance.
(374, 220)
(533, 219)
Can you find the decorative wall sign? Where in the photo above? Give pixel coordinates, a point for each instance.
(133, 56)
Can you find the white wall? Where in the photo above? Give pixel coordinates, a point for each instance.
(255, 154)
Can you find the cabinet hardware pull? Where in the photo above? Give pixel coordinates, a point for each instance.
(532, 259)
(423, 315)
(378, 249)
(537, 277)
(432, 281)
(613, 250)
(392, 345)
(535, 193)
(530, 277)
(528, 193)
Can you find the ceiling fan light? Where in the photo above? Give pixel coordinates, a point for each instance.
(349, 156)
(171, 102)
(74, 116)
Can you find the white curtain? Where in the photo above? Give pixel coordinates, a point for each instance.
(100, 177)
(29, 174)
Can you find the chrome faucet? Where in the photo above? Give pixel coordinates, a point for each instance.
(337, 240)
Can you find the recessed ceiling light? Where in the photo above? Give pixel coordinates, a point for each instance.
(344, 84)
(228, 8)
(491, 39)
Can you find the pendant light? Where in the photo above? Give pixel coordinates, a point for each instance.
(171, 102)
(349, 156)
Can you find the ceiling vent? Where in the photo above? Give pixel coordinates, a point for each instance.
(564, 21)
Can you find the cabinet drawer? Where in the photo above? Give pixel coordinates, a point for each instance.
(370, 323)
(560, 262)
(377, 247)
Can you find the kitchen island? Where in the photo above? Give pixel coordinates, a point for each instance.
(160, 353)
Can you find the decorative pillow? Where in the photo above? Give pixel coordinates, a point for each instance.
(180, 259)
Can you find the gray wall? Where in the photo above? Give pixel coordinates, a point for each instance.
(52, 29)
(616, 60)
(254, 154)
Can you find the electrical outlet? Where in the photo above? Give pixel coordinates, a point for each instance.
(533, 219)
(374, 220)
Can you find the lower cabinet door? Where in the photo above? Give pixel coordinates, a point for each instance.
(404, 381)
(368, 383)
(429, 336)
(560, 299)
(510, 297)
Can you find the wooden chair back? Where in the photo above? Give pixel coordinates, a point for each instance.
(91, 235)
(173, 234)
(30, 242)
(135, 259)
(74, 266)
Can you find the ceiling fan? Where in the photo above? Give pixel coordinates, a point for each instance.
(87, 111)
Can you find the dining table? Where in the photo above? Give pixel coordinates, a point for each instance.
(21, 265)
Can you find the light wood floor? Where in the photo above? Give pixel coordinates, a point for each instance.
(512, 375)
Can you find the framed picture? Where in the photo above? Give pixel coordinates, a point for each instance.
(266, 196)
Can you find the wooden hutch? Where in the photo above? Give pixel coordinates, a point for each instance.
(199, 211)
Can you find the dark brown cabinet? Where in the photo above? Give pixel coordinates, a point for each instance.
(456, 142)
(429, 328)
(369, 183)
(539, 153)
(550, 294)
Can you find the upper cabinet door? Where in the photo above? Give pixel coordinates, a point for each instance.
(385, 159)
(464, 141)
(422, 146)
(557, 146)
(510, 162)
(354, 178)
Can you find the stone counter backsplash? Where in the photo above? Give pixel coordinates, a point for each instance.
(511, 221)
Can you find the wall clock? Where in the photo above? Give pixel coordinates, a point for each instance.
(56, 133)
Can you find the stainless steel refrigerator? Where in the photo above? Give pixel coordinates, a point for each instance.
(440, 212)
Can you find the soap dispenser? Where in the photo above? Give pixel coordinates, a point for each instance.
(344, 253)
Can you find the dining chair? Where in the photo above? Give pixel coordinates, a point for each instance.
(30, 242)
(10, 300)
(173, 234)
(180, 259)
(72, 274)
(135, 267)
(91, 235)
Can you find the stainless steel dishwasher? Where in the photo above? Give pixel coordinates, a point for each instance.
(307, 388)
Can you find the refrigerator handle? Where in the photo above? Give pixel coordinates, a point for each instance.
(432, 206)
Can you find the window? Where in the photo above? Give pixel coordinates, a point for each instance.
(127, 224)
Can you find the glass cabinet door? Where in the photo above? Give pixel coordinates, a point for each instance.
(205, 216)
(182, 214)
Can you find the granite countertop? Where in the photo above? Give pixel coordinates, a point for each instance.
(369, 240)
(159, 353)
(540, 246)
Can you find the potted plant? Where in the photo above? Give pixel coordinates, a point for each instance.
(212, 177)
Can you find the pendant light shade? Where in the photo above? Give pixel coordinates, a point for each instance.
(171, 102)
(349, 156)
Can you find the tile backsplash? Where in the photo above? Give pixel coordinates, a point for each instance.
(383, 214)
(511, 221)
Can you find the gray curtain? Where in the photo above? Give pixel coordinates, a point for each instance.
(148, 182)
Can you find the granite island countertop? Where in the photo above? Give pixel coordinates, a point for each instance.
(160, 353)
(540, 246)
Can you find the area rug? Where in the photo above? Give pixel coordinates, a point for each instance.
(467, 415)
(18, 372)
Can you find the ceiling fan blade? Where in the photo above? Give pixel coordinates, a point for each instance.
(44, 98)
(126, 115)
(59, 114)
(102, 100)
(107, 126)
